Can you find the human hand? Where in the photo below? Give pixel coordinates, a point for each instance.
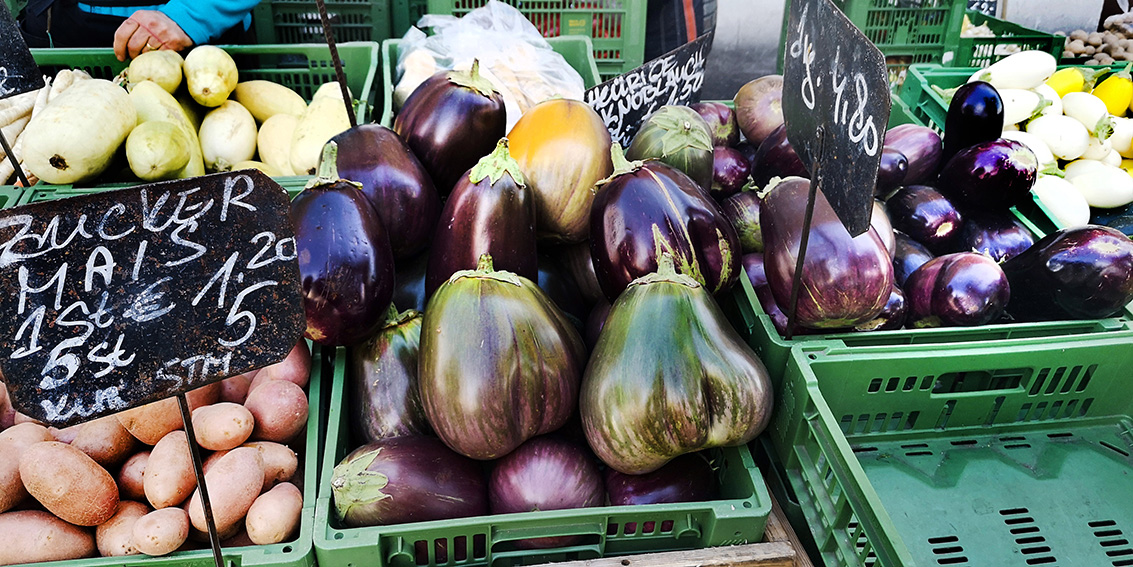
(148, 30)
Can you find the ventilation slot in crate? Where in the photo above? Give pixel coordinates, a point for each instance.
(1028, 537)
(948, 551)
(1114, 542)
(878, 423)
(1063, 380)
(864, 550)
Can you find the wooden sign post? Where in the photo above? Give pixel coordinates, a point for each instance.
(19, 74)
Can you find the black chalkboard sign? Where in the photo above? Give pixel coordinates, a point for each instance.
(120, 298)
(674, 78)
(836, 106)
(18, 71)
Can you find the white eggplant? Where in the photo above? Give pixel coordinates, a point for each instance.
(1020, 105)
(1090, 111)
(1023, 70)
(1122, 137)
(1050, 95)
(1097, 149)
(1081, 167)
(1112, 158)
(1062, 200)
(1066, 137)
(1105, 187)
(1039, 147)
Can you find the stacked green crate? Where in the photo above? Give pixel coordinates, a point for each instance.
(298, 21)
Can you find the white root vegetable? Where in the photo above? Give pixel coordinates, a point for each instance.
(1066, 137)
(1105, 187)
(1062, 200)
(228, 136)
(1023, 70)
(1090, 111)
(18, 107)
(63, 81)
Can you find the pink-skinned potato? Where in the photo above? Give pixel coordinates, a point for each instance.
(114, 537)
(222, 426)
(295, 368)
(131, 477)
(169, 478)
(32, 536)
(275, 514)
(233, 482)
(69, 483)
(162, 531)
(106, 441)
(151, 422)
(13, 442)
(280, 410)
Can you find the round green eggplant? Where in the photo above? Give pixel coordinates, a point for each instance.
(680, 137)
(499, 362)
(384, 399)
(670, 376)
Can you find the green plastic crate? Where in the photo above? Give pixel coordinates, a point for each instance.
(738, 517)
(297, 21)
(405, 14)
(45, 192)
(11, 196)
(575, 49)
(963, 455)
(1010, 38)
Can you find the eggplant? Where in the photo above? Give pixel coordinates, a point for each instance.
(646, 208)
(742, 210)
(687, 478)
(755, 269)
(499, 362)
(759, 107)
(1074, 273)
(406, 479)
(677, 136)
(921, 147)
(557, 282)
(927, 216)
(721, 122)
(908, 255)
(845, 280)
(384, 398)
(990, 176)
(748, 150)
(345, 260)
(394, 182)
(450, 121)
(730, 172)
(771, 308)
(892, 316)
(879, 221)
(490, 211)
(576, 259)
(409, 288)
(651, 394)
(998, 236)
(595, 321)
(891, 172)
(776, 158)
(975, 115)
(963, 289)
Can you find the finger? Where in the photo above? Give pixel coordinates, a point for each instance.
(137, 43)
(122, 37)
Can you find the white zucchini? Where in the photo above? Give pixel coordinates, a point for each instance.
(1023, 70)
(210, 74)
(228, 136)
(157, 150)
(1090, 111)
(162, 67)
(1041, 150)
(273, 142)
(1066, 137)
(1062, 200)
(1105, 187)
(153, 103)
(325, 117)
(265, 99)
(250, 164)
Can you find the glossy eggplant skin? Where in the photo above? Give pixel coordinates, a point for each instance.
(742, 210)
(499, 362)
(409, 290)
(755, 270)
(879, 220)
(678, 136)
(776, 158)
(394, 182)
(975, 115)
(1074, 273)
(990, 176)
(892, 316)
(730, 170)
(963, 289)
(845, 280)
(721, 122)
(652, 207)
(558, 283)
(687, 478)
(927, 216)
(384, 398)
(998, 236)
(908, 255)
(595, 321)
(922, 149)
(450, 121)
(892, 172)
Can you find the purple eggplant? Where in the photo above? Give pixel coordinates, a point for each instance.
(595, 321)
(998, 236)
(927, 216)
(892, 316)
(678, 136)
(409, 291)
(490, 211)
(908, 255)
(1074, 273)
(407, 479)
(845, 280)
(990, 176)
(921, 147)
(879, 220)
(345, 259)
(771, 308)
(395, 183)
(776, 158)
(748, 150)
(742, 210)
(687, 478)
(964, 289)
(721, 122)
(730, 171)
(558, 283)
(892, 171)
(754, 268)
(450, 121)
(975, 116)
(384, 398)
(759, 107)
(576, 259)
(648, 208)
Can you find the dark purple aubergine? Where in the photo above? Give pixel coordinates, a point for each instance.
(1075, 273)
(490, 211)
(384, 398)
(595, 321)
(964, 289)
(409, 290)
(975, 116)
(771, 308)
(450, 121)
(748, 149)
(647, 208)
(921, 147)
(576, 259)
(407, 479)
(990, 176)
(730, 170)
(395, 183)
(345, 260)
(558, 283)
(742, 210)
(927, 216)
(776, 158)
(891, 172)
(754, 268)
(908, 255)
(892, 316)
(998, 236)
(687, 478)
(721, 122)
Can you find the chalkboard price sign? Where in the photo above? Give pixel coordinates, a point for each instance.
(120, 298)
(18, 71)
(836, 106)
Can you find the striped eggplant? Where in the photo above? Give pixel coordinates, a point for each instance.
(670, 376)
(678, 136)
(499, 362)
(384, 398)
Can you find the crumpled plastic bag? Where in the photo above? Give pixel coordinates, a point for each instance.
(512, 53)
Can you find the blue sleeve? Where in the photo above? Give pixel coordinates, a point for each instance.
(203, 20)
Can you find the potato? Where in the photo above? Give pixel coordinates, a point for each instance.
(131, 480)
(274, 516)
(24, 418)
(233, 483)
(65, 435)
(280, 409)
(280, 462)
(13, 442)
(211, 460)
(69, 483)
(115, 537)
(7, 412)
(162, 531)
(169, 479)
(34, 535)
(222, 426)
(295, 368)
(235, 388)
(106, 441)
(151, 422)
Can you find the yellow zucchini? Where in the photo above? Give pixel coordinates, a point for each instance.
(325, 117)
(153, 103)
(265, 99)
(274, 142)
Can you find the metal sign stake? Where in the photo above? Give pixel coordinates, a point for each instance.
(199, 470)
(338, 73)
(797, 280)
(15, 162)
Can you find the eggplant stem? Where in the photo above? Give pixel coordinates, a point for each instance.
(472, 79)
(327, 173)
(495, 165)
(484, 263)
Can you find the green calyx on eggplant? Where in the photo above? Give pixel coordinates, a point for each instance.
(678, 136)
(646, 209)
(670, 376)
(345, 260)
(385, 400)
(450, 121)
(490, 211)
(499, 362)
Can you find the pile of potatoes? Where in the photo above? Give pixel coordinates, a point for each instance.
(1114, 45)
(124, 484)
